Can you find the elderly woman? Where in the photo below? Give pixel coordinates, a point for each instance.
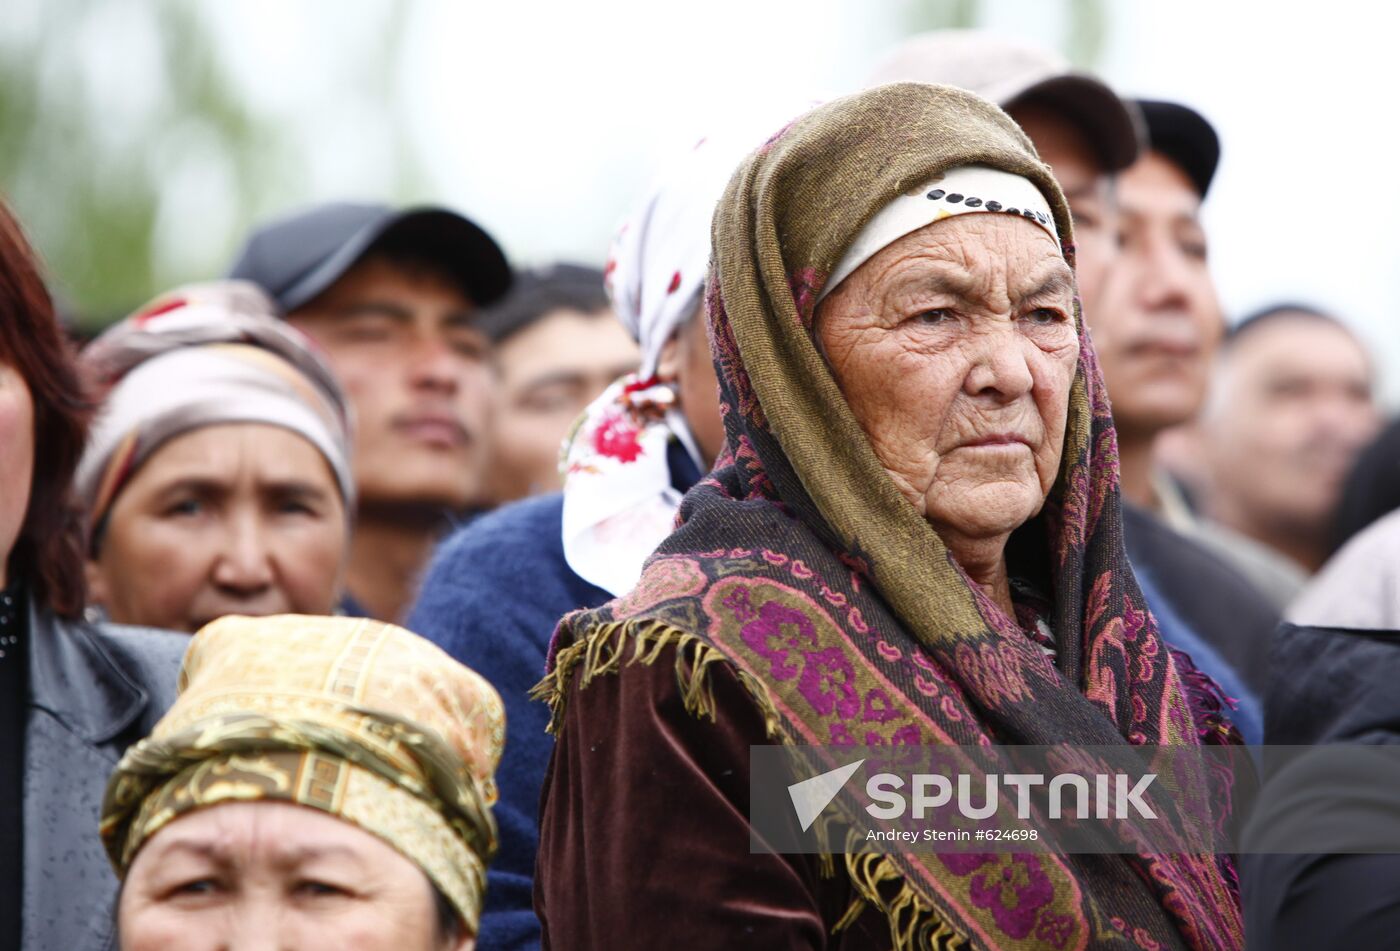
(912, 537)
(320, 783)
(73, 695)
(217, 480)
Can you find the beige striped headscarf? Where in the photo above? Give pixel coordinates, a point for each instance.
(204, 355)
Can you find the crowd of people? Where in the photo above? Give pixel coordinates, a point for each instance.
(911, 419)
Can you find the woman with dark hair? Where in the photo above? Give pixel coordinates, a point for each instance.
(83, 692)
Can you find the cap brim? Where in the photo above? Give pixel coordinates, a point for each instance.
(457, 244)
(1113, 127)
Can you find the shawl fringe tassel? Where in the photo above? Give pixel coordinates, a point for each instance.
(914, 924)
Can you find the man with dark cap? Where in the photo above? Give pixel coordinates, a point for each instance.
(558, 345)
(1092, 140)
(392, 298)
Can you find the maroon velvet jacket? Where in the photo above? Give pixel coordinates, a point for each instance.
(644, 831)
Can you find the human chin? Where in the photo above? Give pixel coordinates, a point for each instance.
(986, 509)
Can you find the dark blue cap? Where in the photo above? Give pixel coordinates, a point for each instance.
(1185, 137)
(297, 257)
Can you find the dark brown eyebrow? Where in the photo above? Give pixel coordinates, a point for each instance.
(556, 378)
(293, 488)
(946, 282)
(219, 854)
(1056, 283)
(1193, 218)
(1090, 189)
(463, 318)
(199, 485)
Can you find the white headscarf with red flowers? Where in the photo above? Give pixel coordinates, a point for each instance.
(618, 499)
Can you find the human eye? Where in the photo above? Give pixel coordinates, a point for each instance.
(1194, 248)
(318, 888)
(366, 327)
(185, 507)
(294, 503)
(193, 888)
(934, 316)
(1191, 241)
(552, 398)
(469, 345)
(1046, 316)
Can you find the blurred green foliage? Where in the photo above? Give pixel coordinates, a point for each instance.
(113, 111)
(93, 135)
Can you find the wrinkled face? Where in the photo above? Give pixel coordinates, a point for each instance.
(233, 519)
(16, 459)
(1159, 324)
(275, 875)
(1088, 189)
(419, 378)
(956, 348)
(549, 372)
(1295, 407)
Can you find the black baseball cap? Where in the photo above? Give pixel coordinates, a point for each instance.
(1185, 137)
(297, 257)
(1011, 72)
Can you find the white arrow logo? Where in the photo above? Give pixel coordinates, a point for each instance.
(811, 796)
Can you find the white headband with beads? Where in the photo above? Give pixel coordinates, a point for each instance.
(964, 190)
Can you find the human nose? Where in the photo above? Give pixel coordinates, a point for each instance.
(999, 368)
(261, 930)
(434, 365)
(244, 565)
(1166, 277)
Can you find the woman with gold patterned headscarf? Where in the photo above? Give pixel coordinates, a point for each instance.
(912, 538)
(325, 782)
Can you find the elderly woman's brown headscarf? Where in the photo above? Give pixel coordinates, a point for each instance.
(359, 719)
(800, 565)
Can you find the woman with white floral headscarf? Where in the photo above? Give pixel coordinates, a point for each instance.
(498, 587)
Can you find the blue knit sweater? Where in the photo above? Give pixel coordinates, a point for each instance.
(492, 597)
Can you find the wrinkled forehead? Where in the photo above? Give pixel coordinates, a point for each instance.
(268, 834)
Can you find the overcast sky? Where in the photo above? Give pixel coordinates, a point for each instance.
(544, 120)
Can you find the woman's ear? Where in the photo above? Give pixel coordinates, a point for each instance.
(668, 367)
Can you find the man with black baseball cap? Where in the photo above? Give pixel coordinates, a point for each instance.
(1269, 468)
(392, 298)
(1159, 322)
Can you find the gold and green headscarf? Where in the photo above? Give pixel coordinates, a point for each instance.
(359, 719)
